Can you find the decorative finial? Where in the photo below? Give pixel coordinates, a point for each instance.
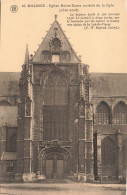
(26, 55)
(55, 17)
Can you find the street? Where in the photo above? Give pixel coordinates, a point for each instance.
(66, 187)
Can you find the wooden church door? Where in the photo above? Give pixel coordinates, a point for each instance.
(49, 169)
(60, 169)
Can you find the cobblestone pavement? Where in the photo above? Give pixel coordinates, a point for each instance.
(69, 188)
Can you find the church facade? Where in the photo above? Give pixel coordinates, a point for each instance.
(58, 121)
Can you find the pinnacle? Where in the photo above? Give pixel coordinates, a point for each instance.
(26, 55)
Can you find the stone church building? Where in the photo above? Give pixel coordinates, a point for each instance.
(57, 120)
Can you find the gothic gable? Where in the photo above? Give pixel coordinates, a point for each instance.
(55, 47)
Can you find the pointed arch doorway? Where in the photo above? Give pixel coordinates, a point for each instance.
(109, 161)
(55, 161)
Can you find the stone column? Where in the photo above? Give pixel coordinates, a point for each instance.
(89, 143)
(99, 163)
(28, 173)
(20, 143)
(38, 160)
(81, 141)
(119, 155)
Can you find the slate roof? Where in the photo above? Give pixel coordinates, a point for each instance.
(103, 84)
(109, 84)
(9, 83)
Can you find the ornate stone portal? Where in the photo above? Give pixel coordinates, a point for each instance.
(54, 161)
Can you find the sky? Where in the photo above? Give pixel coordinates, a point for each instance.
(103, 50)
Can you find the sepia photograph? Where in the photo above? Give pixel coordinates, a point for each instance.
(63, 97)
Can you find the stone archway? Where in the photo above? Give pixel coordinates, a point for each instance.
(108, 155)
(55, 161)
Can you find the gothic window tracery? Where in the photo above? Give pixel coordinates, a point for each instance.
(55, 53)
(120, 113)
(55, 109)
(103, 114)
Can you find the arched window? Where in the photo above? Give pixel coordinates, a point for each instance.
(55, 109)
(103, 114)
(56, 45)
(120, 113)
(108, 152)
